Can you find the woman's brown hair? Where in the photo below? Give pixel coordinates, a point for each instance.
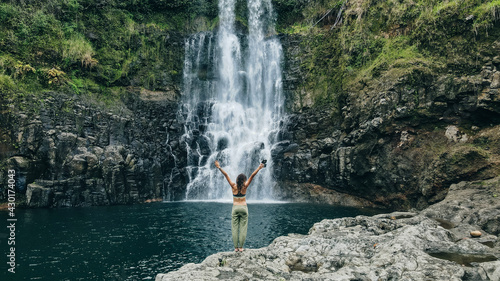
(240, 181)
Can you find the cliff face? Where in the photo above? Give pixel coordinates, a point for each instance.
(89, 96)
(76, 153)
(381, 113)
(396, 143)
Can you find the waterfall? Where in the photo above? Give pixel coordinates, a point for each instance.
(232, 103)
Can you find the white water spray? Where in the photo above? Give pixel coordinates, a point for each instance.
(233, 103)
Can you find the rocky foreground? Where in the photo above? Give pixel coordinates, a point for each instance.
(434, 244)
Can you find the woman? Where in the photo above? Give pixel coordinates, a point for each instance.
(239, 213)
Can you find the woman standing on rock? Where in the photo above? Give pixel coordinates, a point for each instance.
(239, 214)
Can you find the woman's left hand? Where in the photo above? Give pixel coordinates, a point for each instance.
(217, 164)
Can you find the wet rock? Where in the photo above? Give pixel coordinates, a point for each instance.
(222, 143)
(77, 166)
(19, 162)
(89, 156)
(38, 196)
(283, 147)
(204, 145)
(472, 203)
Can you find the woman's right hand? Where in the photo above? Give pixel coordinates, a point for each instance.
(217, 164)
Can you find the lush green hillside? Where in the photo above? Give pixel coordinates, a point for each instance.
(91, 46)
(99, 47)
(350, 44)
(396, 100)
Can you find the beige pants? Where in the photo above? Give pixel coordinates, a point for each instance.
(239, 225)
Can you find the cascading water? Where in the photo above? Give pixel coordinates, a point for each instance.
(233, 103)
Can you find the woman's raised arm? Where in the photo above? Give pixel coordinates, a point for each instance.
(262, 165)
(224, 173)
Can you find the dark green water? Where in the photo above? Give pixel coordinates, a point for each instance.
(137, 242)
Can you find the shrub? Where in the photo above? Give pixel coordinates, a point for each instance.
(7, 65)
(7, 85)
(78, 49)
(23, 69)
(486, 15)
(56, 76)
(8, 13)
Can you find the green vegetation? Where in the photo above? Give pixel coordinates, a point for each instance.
(6, 84)
(289, 12)
(376, 41)
(89, 46)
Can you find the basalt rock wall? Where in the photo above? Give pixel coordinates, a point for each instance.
(72, 152)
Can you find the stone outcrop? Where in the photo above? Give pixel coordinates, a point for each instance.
(434, 244)
(470, 203)
(384, 149)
